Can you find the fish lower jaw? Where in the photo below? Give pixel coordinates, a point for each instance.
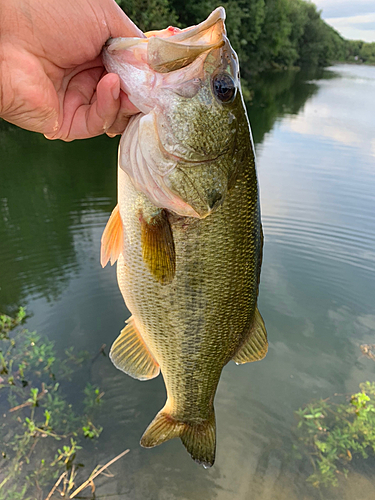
(189, 158)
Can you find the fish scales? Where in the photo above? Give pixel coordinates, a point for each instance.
(188, 240)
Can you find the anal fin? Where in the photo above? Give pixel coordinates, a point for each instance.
(130, 354)
(256, 346)
(112, 239)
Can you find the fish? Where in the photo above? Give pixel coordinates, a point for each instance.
(186, 233)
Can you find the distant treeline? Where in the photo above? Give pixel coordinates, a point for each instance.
(265, 33)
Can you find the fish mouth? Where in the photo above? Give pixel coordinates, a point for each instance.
(194, 33)
(172, 49)
(113, 45)
(170, 53)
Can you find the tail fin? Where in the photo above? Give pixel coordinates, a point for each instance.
(198, 438)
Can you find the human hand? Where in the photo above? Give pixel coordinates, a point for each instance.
(52, 79)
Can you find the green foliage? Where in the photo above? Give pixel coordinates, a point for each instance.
(360, 52)
(37, 415)
(90, 431)
(335, 432)
(93, 398)
(265, 33)
(149, 14)
(7, 323)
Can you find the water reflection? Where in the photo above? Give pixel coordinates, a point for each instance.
(277, 94)
(316, 162)
(326, 117)
(320, 209)
(50, 195)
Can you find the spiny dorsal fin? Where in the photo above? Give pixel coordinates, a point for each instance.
(112, 239)
(256, 346)
(199, 438)
(158, 249)
(130, 354)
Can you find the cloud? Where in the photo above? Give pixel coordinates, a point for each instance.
(345, 8)
(353, 19)
(360, 27)
(367, 20)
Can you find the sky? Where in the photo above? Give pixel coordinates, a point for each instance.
(354, 19)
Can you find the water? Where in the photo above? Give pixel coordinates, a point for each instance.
(315, 141)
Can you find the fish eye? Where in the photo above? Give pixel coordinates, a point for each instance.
(224, 87)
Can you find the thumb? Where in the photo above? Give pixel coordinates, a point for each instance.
(119, 24)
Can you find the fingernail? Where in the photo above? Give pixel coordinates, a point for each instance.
(116, 92)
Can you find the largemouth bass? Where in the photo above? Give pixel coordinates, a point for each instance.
(186, 231)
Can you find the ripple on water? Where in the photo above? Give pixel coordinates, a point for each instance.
(318, 242)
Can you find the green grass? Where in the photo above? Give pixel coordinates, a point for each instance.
(334, 434)
(41, 433)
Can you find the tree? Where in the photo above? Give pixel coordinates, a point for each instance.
(265, 33)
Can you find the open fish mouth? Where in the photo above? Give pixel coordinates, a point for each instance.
(168, 76)
(172, 49)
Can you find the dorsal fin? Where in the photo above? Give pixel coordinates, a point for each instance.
(112, 239)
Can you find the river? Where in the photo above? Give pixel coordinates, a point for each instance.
(315, 143)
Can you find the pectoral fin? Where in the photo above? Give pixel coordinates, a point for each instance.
(256, 346)
(158, 249)
(112, 239)
(130, 354)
